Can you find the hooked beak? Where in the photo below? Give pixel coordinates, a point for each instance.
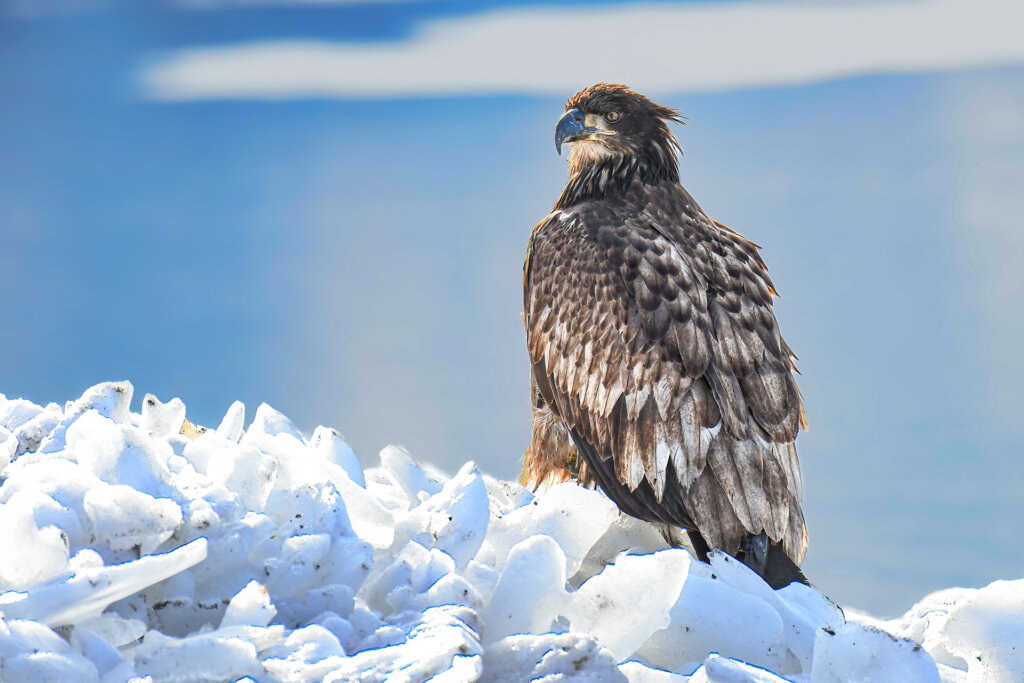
(572, 126)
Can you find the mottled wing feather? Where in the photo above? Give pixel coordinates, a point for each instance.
(652, 336)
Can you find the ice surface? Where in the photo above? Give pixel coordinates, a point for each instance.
(267, 556)
(987, 631)
(90, 591)
(125, 517)
(202, 657)
(453, 519)
(162, 419)
(612, 607)
(41, 551)
(32, 653)
(864, 653)
(14, 414)
(250, 607)
(573, 516)
(330, 445)
(550, 657)
(440, 640)
(530, 594)
(232, 425)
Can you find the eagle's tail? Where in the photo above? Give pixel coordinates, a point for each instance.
(770, 561)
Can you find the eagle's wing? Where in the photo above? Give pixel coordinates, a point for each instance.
(653, 338)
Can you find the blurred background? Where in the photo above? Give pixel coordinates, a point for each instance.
(324, 205)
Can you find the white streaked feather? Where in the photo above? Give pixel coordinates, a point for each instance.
(663, 397)
(636, 401)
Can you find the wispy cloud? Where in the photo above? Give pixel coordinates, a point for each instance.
(233, 4)
(657, 48)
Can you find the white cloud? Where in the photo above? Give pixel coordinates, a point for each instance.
(233, 4)
(655, 48)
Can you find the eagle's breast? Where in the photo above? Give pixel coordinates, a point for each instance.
(652, 337)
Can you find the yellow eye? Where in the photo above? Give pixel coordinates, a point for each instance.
(612, 116)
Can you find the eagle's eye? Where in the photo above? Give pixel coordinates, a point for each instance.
(612, 116)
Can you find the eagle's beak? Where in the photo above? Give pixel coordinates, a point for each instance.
(572, 126)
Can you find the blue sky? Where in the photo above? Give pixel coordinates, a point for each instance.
(356, 261)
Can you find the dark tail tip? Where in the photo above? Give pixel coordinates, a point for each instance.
(770, 561)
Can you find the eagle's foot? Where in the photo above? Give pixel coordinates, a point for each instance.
(769, 561)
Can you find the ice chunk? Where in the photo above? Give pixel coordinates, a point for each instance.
(854, 652)
(48, 511)
(231, 569)
(14, 413)
(104, 656)
(506, 496)
(208, 446)
(369, 518)
(439, 636)
(109, 399)
(308, 654)
(411, 477)
(294, 612)
(32, 653)
(347, 562)
(412, 572)
(574, 516)
(924, 623)
(625, 534)
(341, 628)
(640, 673)
(987, 630)
(29, 554)
(454, 519)
(630, 600)
(245, 470)
(65, 482)
(483, 576)
(293, 573)
(463, 668)
(531, 591)
(711, 616)
(86, 558)
(88, 593)
(420, 578)
(205, 657)
(553, 657)
(801, 620)
(232, 424)
(949, 674)
(125, 517)
(307, 508)
(181, 617)
(29, 436)
(718, 669)
(162, 419)
(116, 630)
(269, 422)
(330, 445)
(250, 607)
(121, 454)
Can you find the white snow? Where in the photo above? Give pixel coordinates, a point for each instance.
(130, 551)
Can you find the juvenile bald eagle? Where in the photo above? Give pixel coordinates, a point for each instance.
(659, 372)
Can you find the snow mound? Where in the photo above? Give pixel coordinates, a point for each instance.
(137, 546)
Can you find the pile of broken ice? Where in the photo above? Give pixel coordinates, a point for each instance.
(131, 551)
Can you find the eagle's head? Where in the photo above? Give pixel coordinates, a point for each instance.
(609, 123)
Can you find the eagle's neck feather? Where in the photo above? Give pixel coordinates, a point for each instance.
(613, 174)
